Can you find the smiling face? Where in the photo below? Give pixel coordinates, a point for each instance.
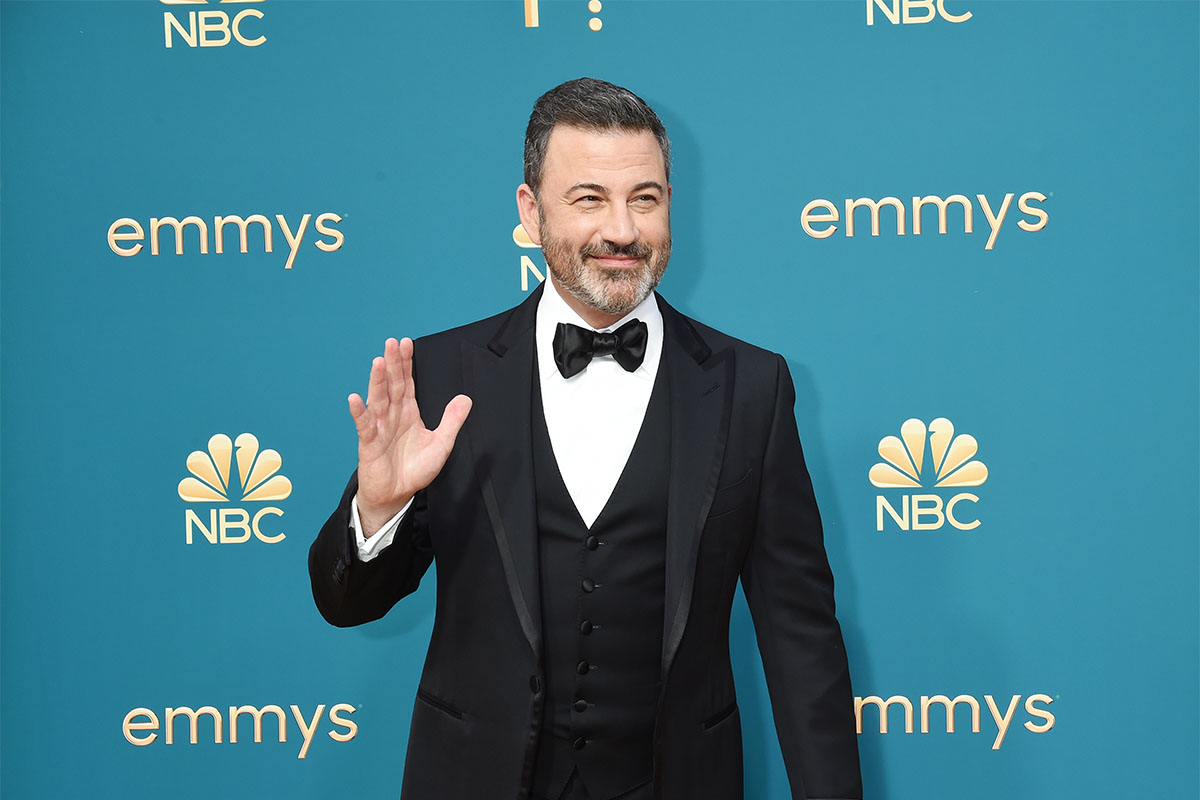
(602, 217)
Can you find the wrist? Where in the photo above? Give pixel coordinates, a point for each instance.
(375, 517)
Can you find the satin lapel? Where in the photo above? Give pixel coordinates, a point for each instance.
(499, 379)
(701, 387)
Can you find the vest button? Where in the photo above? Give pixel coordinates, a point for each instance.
(589, 585)
(535, 684)
(581, 705)
(591, 542)
(585, 627)
(579, 743)
(582, 667)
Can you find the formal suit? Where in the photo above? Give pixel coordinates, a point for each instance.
(739, 504)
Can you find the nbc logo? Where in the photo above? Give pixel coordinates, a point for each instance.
(210, 28)
(521, 239)
(951, 464)
(257, 481)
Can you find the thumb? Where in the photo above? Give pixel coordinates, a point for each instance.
(453, 417)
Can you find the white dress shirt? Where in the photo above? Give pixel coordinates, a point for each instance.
(593, 418)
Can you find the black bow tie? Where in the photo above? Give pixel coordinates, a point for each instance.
(574, 347)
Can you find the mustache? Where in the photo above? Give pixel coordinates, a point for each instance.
(631, 250)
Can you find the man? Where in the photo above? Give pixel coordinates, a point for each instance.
(591, 500)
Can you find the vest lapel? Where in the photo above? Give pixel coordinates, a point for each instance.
(499, 380)
(701, 387)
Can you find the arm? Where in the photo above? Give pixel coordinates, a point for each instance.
(789, 588)
(397, 458)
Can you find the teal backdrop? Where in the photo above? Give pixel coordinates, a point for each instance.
(387, 136)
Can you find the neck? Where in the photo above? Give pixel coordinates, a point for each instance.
(592, 316)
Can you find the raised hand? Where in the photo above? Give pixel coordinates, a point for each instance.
(397, 455)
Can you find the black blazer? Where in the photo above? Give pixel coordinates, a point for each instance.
(740, 505)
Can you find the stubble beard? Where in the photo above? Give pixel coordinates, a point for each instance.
(613, 291)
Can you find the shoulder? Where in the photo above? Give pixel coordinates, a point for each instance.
(748, 358)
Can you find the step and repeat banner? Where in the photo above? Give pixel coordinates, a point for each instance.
(969, 225)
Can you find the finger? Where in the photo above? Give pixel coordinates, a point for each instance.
(377, 396)
(406, 361)
(453, 418)
(363, 422)
(395, 377)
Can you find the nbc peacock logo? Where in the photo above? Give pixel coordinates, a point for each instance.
(211, 481)
(521, 239)
(950, 464)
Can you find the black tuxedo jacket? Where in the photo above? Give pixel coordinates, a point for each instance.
(740, 505)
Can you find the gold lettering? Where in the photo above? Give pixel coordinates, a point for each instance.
(293, 240)
(883, 706)
(128, 726)
(219, 224)
(189, 36)
(807, 217)
(1043, 713)
(238, 519)
(350, 725)
(272, 510)
(934, 510)
(236, 711)
(946, 15)
(933, 199)
(527, 266)
(237, 22)
(136, 235)
(337, 236)
(194, 717)
(191, 520)
(1002, 723)
(1040, 213)
(307, 729)
(219, 23)
(894, 202)
(995, 221)
(925, 4)
(881, 503)
(962, 526)
(178, 225)
(949, 705)
(893, 13)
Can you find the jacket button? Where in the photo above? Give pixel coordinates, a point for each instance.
(535, 684)
(581, 705)
(579, 743)
(585, 627)
(582, 667)
(589, 585)
(591, 542)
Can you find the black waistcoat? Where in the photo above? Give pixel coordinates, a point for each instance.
(602, 612)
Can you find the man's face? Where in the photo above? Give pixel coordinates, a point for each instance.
(602, 216)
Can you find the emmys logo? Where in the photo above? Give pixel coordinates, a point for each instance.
(825, 212)
(1002, 719)
(127, 229)
(521, 239)
(901, 12)
(210, 28)
(593, 6)
(257, 481)
(141, 725)
(950, 464)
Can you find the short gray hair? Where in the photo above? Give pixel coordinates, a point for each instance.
(589, 104)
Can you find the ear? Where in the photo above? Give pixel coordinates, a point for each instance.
(527, 210)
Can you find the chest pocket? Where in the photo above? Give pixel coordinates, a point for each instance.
(732, 496)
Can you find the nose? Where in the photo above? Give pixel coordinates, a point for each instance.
(619, 226)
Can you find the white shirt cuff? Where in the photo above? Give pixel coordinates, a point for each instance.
(369, 548)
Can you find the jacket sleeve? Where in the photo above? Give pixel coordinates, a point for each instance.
(789, 588)
(349, 591)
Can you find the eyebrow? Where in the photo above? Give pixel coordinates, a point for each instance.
(596, 187)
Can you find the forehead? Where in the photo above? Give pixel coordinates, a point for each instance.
(575, 155)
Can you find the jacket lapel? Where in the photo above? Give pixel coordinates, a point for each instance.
(499, 380)
(701, 391)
